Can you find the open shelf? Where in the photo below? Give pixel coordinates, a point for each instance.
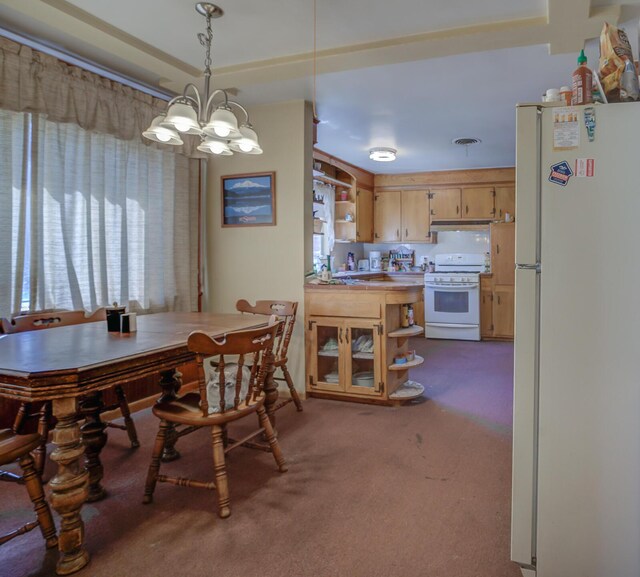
(406, 332)
(324, 178)
(407, 391)
(404, 366)
(343, 221)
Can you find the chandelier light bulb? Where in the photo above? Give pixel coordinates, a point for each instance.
(163, 136)
(222, 131)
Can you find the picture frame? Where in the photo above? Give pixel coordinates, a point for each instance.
(248, 199)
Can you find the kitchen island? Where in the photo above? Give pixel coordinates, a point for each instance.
(356, 346)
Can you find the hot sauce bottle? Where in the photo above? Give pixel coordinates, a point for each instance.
(581, 81)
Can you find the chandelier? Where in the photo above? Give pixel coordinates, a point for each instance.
(212, 116)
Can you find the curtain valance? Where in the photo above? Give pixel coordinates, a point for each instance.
(32, 81)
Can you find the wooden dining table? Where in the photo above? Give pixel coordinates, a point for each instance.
(71, 366)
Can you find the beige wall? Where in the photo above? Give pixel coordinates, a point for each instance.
(266, 262)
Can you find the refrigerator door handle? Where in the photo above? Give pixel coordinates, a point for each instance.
(536, 267)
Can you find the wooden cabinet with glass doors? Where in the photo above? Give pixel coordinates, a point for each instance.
(355, 342)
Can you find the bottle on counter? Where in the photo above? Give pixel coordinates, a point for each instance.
(410, 317)
(404, 316)
(581, 82)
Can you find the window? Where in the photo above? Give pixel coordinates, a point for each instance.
(87, 219)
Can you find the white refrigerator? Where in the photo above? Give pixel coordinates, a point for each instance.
(576, 446)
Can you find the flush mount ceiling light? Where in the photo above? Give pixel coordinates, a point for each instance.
(215, 123)
(382, 154)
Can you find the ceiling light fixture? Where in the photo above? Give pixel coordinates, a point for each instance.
(190, 113)
(383, 154)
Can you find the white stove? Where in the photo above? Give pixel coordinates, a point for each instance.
(452, 297)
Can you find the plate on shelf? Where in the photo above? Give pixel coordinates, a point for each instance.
(363, 379)
(407, 390)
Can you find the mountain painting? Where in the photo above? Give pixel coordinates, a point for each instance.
(248, 199)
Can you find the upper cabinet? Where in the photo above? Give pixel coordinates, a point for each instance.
(469, 202)
(353, 217)
(505, 201)
(456, 197)
(402, 216)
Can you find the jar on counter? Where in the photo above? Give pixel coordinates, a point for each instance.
(410, 318)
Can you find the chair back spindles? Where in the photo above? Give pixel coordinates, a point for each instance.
(251, 351)
(284, 311)
(242, 360)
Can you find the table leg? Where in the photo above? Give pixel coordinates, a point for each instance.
(94, 438)
(271, 397)
(170, 381)
(69, 487)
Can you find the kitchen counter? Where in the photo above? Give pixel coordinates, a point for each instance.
(361, 284)
(357, 344)
(376, 274)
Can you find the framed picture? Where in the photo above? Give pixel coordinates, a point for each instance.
(249, 199)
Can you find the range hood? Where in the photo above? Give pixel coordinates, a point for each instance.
(442, 225)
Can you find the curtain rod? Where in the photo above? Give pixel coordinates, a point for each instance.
(98, 69)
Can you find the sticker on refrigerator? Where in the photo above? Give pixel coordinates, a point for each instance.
(560, 173)
(585, 167)
(566, 128)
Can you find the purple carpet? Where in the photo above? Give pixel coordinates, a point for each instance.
(421, 490)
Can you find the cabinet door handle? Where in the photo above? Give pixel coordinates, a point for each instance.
(406, 232)
(498, 299)
(377, 235)
(397, 233)
(466, 209)
(432, 212)
(457, 209)
(497, 249)
(340, 335)
(500, 213)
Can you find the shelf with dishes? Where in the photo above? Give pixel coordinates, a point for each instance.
(402, 363)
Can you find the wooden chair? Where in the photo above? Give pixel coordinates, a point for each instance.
(285, 311)
(48, 320)
(18, 448)
(234, 391)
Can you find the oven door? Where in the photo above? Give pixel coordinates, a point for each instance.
(456, 303)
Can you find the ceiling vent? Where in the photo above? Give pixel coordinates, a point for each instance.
(466, 141)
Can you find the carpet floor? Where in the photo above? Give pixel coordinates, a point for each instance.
(421, 490)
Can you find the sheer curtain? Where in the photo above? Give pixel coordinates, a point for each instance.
(87, 219)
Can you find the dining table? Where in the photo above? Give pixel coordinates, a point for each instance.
(71, 366)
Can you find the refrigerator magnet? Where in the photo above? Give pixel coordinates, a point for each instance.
(560, 173)
(590, 122)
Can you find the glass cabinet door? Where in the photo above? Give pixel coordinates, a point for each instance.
(326, 361)
(362, 357)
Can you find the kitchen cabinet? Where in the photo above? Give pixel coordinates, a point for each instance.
(503, 311)
(402, 216)
(445, 204)
(497, 290)
(355, 346)
(346, 356)
(486, 307)
(503, 252)
(469, 202)
(364, 215)
(505, 201)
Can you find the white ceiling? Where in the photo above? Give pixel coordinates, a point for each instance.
(412, 74)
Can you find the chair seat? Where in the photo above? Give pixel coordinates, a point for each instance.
(13, 446)
(186, 411)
